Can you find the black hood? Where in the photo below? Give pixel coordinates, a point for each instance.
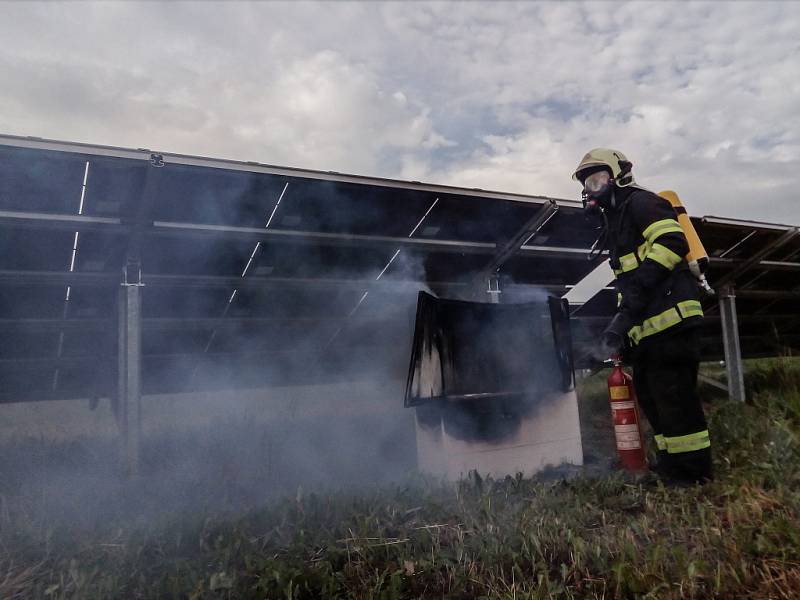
(621, 195)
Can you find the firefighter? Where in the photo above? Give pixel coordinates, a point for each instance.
(658, 310)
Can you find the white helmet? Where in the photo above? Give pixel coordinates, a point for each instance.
(613, 160)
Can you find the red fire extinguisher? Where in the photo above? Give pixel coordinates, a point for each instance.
(625, 413)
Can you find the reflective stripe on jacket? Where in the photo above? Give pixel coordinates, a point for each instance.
(648, 250)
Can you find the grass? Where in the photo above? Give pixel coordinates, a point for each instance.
(587, 537)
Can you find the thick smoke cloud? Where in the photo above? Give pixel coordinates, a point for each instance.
(255, 425)
(312, 397)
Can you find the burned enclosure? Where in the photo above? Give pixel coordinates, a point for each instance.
(481, 368)
(492, 387)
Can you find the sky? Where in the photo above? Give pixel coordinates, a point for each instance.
(703, 98)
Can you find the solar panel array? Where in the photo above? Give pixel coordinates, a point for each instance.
(257, 275)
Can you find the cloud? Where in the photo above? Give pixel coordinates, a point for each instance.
(689, 92)
(325, 112)
(701, 96)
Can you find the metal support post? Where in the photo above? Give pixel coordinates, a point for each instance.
(730, 340)
(129, 371)
(129, 394)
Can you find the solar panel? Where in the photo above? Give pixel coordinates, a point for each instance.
(255, 274)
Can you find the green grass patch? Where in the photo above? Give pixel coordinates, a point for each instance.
(587, 537)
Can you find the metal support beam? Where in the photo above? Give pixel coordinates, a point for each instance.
(293, 236)
(107, 362)
(181, 230)
(60, 221)
(730, 340)
(769, 294)
(513, 245)
(756, 259)
(106, 279)
(27, 326)
(129, 373)
(767, 265)
(112, 225)
(738, 223)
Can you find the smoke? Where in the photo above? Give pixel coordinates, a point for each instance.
(229, 449)
(279, 387)
(598, 352)
(286, 387)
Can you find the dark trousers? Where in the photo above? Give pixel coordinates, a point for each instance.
(665, 378)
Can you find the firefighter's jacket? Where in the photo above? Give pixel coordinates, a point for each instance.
(653, 280)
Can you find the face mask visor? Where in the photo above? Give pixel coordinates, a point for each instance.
(597, 185)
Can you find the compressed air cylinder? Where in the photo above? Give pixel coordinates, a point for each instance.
(697, 257)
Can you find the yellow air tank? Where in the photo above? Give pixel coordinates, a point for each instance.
(697, 257)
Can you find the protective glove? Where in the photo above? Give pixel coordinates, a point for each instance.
(612, 340)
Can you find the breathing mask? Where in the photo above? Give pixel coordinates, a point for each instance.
(598, 191)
